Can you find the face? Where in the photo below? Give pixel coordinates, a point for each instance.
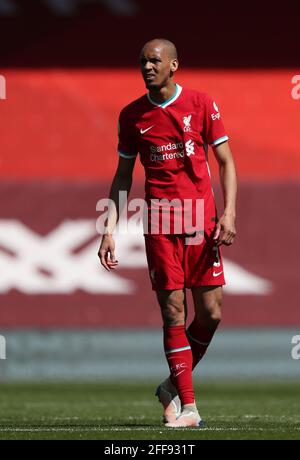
(156, 65)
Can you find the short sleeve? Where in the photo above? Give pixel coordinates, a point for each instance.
(213, 128)
(127, 146)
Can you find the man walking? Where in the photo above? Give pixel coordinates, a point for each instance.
(171, 128)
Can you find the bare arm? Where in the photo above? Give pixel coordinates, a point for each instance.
(122, 181)
(225, 229)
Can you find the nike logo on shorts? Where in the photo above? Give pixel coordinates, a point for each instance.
(143, 131)
(217, 274)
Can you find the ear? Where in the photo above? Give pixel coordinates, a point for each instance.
(174, 65)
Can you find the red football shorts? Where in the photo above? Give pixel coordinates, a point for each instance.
(173, 264)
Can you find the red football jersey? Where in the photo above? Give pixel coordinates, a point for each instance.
(172, 139)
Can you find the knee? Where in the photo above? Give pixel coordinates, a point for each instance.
(212, 313)
(215, 312)
(216, 315)
(173, 310)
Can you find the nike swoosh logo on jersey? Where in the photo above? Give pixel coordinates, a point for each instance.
(143, 131)
(217, 274)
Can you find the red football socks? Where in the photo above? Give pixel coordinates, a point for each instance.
(179, 356)
(199, 339)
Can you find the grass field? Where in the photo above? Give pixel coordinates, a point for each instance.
(131, 412)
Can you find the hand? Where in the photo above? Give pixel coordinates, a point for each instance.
(225, 230)
(106, 253)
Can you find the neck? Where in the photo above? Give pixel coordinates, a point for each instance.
(163, 94)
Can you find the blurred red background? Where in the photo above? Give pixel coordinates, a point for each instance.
(68, 74)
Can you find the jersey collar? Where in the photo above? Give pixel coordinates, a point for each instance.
(168, 101)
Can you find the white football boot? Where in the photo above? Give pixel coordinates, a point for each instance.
(167, 395)
(189, 417)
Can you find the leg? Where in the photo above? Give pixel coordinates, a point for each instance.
(171, 310)
(179, 357)
(176, 345)
(207, 304)
(165, 258)
(205, 276)
(172, 306)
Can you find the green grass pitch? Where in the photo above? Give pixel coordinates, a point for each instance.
(129, 411)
